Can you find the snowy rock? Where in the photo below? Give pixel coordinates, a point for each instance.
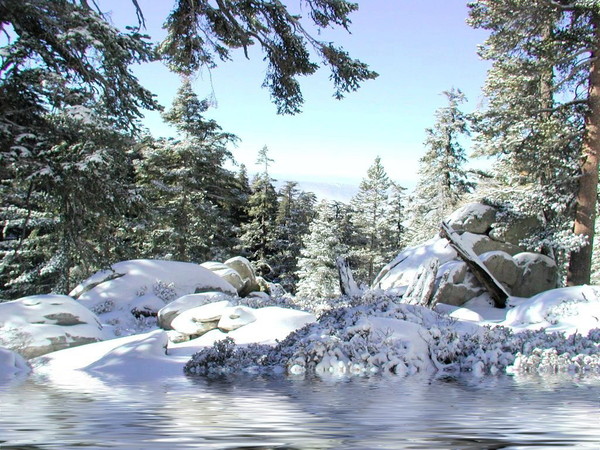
(11, 364)
(502, 266)
(36, 325)
(262, 296)
(199, 320)
(245, 270)
(129, 296)
(456, 285)
(272, 323)
(516, 231)
(480, 244)
(400, 272)
(167, 314)
(538, 273)
(473, 217)
(227, 273)
(455, 294)
(236, 317)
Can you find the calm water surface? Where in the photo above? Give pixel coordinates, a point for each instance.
(375, 413)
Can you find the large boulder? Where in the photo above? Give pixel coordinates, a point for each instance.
(129, 296)
(515, 231)
(456, 285)
(503, 267)
(481, 244)
(539, 273)
(245, 270)
(236, 317)
(36, 325)
(167, 314)
(197, 321)
(399, 273)
(473, 218)
(227, 273)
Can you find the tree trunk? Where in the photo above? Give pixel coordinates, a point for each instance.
(580, 264)
(347, 284)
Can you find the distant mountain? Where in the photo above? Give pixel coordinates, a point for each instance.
(341, 192)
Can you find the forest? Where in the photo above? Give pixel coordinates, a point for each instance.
(84, 186)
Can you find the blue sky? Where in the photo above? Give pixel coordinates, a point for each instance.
(419, 48)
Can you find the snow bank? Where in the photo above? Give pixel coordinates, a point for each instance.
(151, 355)
(12, 364)
(35, 325)
(569, 310)
(128, 297)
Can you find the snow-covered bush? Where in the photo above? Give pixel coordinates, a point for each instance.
(224, 358)
(382, 336)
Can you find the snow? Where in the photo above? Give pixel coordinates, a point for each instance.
(127, 295)
(555, 331)
(36, 324)
(399, 273)
(569, 310)
(12, 364)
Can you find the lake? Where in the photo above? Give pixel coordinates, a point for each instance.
(262, 413)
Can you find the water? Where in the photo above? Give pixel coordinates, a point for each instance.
(375, 413)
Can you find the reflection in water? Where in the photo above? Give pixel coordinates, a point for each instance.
(386, 412)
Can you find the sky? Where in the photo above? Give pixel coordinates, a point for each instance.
(420, 48)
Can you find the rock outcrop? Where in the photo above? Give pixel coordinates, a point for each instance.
(237, 271)
(130, 302)
(522, 273)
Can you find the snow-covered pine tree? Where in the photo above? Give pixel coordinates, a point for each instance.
(544, 114)
(296, 210)
(62, 62)
(442, 180)
(374, 243)
(259, 233)
(397, 216)
(318, 276)
(202, 32)
(189, 191)
(73, 219)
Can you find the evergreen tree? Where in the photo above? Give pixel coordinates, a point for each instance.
(189, 190)
(239, 209)
(397, 216)
(370, 217)
(544, 113)
(65, 87)
(203, 31)
(73, 214)
(294, 215)
(259, 234)
(442, 178)
(317, 271)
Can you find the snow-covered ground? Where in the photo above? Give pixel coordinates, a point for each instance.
(555, 331)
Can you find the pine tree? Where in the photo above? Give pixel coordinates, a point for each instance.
(370, 217)
(259, 234)
(73, 215)
(294, 215)
(443, 180)
(544, 113)
(397, 216)
(65, 87)
(203, 31)
(189, 190)
(317, 271)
